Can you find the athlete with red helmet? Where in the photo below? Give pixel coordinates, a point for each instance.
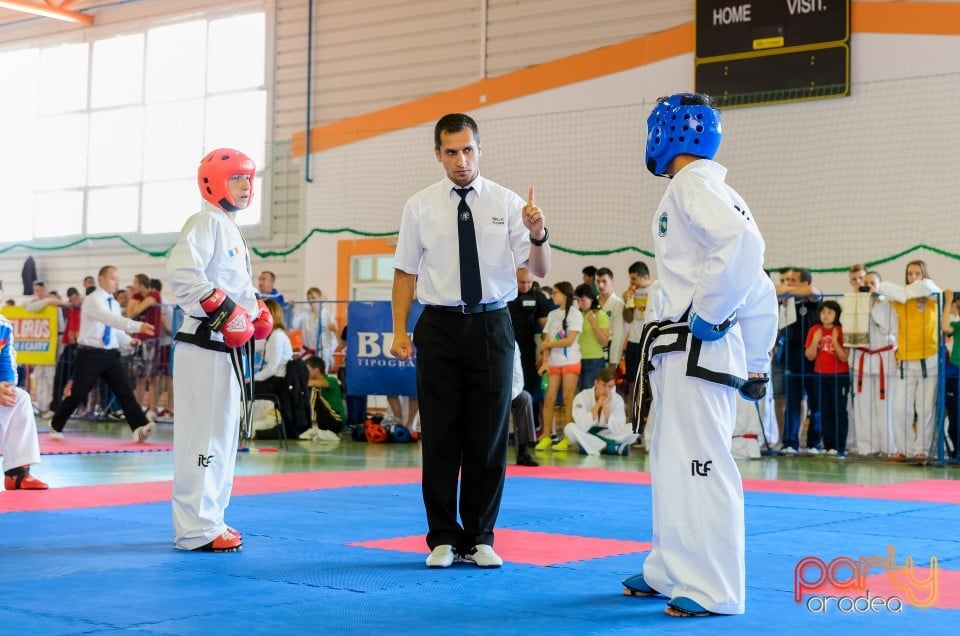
(211, 277)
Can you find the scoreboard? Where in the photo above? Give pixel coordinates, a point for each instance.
(769, 51)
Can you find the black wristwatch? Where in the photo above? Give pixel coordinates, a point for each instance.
(546, 236)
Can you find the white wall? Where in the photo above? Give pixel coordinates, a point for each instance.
(831, 182)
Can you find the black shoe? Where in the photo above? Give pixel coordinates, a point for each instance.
(524, 459)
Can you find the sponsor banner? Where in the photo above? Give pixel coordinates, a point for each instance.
(34, 334)
(371, 370)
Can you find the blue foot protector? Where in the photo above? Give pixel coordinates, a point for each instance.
(686, 608)
(636, 586)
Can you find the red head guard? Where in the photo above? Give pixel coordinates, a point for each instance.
(218, 166)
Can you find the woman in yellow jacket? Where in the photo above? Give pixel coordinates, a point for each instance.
(915, 379)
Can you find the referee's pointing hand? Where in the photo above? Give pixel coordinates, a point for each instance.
(533, 216)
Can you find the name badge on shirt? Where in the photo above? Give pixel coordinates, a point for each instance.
(529, 303)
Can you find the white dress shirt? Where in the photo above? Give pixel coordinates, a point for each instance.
(428, 245)
(100, 309)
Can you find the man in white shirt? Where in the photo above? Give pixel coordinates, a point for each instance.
(461, 242)
(103, 331)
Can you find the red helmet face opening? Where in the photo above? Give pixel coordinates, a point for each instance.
(216, 168)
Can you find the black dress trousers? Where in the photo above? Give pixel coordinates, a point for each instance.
(464, 377)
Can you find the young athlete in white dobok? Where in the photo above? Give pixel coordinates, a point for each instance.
(210, 276)
(717, 324)
(599, 420)
(18, 427)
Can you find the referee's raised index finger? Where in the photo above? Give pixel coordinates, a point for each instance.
(530, 197)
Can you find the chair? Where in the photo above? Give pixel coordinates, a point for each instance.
(277, 411)
(290, 396)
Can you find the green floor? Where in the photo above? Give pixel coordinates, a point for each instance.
(107, 468)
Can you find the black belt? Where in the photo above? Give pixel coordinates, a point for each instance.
(115, 352)
(470, 309)
(201, 338)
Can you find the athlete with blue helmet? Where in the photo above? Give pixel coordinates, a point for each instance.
(716, 323)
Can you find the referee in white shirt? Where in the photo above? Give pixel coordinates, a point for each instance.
(102, 333)
(461, 242)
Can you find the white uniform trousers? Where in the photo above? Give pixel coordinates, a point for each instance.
(873, 416)
(593, 444)
(914, 393)
(698, 527)
(206, 430)
(19, 445)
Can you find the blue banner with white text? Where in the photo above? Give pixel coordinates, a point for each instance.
(371, 369)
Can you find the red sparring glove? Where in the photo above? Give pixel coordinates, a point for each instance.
(231, 321)
(263, 323)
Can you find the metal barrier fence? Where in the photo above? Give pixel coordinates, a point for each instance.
(896, 394)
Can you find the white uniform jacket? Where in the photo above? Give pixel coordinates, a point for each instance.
(210, 253)
(583, 405)
(709, 255)
(882, 332)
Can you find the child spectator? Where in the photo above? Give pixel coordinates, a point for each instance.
(594, 337)
(824, 347)
(599, 421)
(915, 390)
(326, 400)
(318, 326)
(560, 357)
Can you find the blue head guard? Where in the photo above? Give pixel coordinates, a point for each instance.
(682, 124)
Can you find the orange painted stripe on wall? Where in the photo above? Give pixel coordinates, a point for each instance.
(536, 79)
(906, 18)
(914, 18)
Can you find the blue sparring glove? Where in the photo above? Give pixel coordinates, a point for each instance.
(706, 332)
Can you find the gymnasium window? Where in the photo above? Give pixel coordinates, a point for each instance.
(104, 135)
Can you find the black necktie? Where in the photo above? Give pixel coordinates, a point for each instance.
(470, 289)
